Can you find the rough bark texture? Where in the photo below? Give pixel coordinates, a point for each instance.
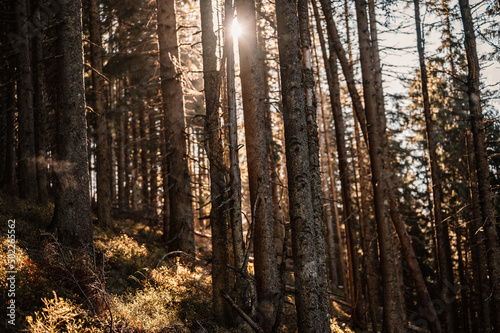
(488, 218)
(314, 163)
(310, 314)
(181, 235)
(103, 162)
(27, 157)
(266, 268)
(393, 321)
(72, 212)
(218, 212)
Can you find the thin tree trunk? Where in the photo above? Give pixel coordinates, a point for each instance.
(103, 162)
(143, 154)
(443, 241)
(122, 152)
(218, 212)
(478, 248)
(310, 313)
(347, 204)
(481, 158)
(72, 212)
(335, 41)
(27, 156)
(393, 319)
(234, 170)
(266, 267)
(332, 72)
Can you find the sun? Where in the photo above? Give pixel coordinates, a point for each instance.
(236, 28)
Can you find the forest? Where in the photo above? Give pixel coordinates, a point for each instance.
(250, 166)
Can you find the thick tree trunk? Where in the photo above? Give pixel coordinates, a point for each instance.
(266, 268)
(310, 313)
(27, 157)
(103, 162)
(481, 158)
(179, 180)
(218, 212)
(72, 212)
(9, 173)
(40, 113)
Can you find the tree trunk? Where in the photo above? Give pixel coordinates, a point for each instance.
(103, 162)
(310, 313)
(266, 268)
(72, 212)
(40, 113)
(478, 248)
(218, 212)
(314, 163)
(179, 180)
(143, 148)
(392, 303)
(481, 158)
(27, 157)
(443, 241)
(234, 166)
(335, 41)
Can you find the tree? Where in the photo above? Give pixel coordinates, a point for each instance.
(218, 212)
(103, 162)
(181, 233)
(72, 211)
(266, 268)
(27, 157)
(308, 295)
(481, 158)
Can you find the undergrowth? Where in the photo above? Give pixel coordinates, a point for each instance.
(137, 289)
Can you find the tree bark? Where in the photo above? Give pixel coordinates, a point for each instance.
(218, 212)
(266, 267)
(393, 320)
(26, 156)
(72, 212)
(314, 163)
(488, 218)
(238, 245)
(103, 162)
(179, 179)
(310, 314)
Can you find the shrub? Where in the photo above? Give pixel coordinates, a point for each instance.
(60, 315)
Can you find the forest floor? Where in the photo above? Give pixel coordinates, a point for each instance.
(135, 287)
